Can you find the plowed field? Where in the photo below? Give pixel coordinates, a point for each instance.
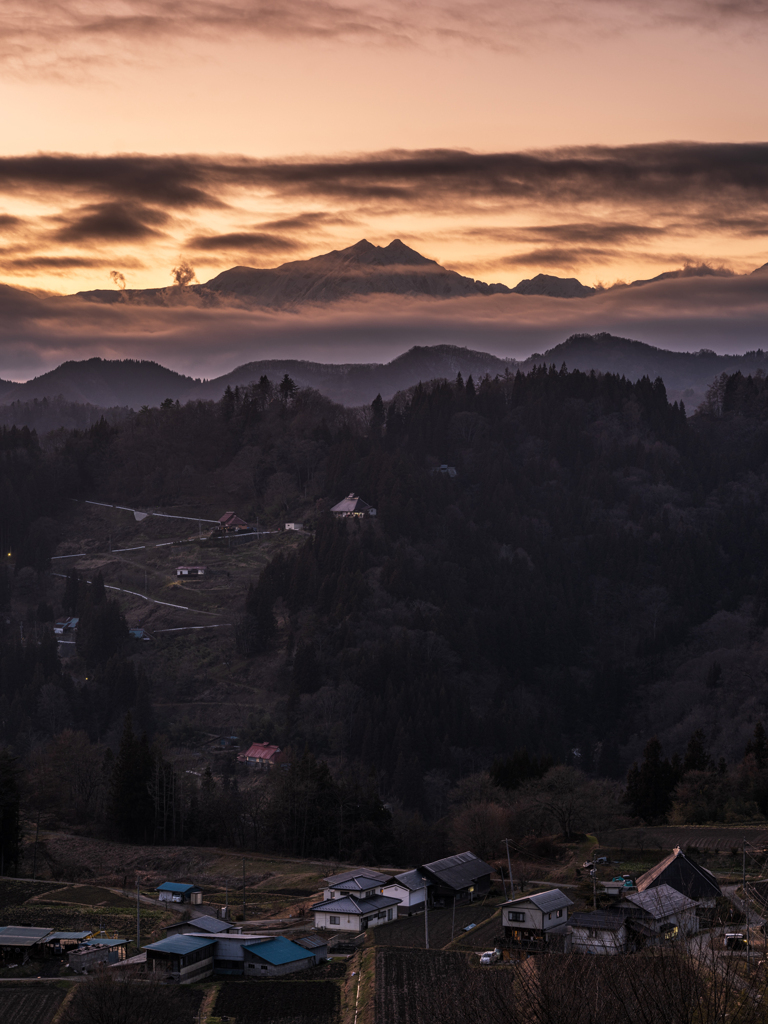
(29, 1005)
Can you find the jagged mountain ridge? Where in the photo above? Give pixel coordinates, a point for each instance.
(361, 269)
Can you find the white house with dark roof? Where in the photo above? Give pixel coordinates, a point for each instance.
(411, 889)
(532, 920)
(361, 883)
(355, 914)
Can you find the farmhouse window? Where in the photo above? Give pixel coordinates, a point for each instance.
(263, 967)
(559, 913)
(516, 915)
(389, 914)
(334, 920)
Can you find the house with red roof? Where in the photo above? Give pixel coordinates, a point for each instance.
(260, 755)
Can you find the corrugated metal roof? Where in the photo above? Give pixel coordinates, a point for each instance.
(278, 951)
(552, 899)
(351, 504)
(106, 942)
(312, 942)
(181, 944)
(360, 882)
(182, 887)
(354, 905)
(458, 871)
(208, 924)
(411, 880)
(660, 901)
(334, 881)
(682, 874)
(606, 920)
(58, 936)
(263, 750)
(16, 935)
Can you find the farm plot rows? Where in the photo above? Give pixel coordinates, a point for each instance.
(409, 931)
(15, 891)
(279, 1002)
(90, 896)
(717, 838)
(29, 1005)
(419, 986)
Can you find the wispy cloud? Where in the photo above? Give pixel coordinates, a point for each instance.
(569, 208)
(36, 36)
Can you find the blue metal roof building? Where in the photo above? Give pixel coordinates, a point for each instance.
(180, 892)
(276, 957)
(186, 958)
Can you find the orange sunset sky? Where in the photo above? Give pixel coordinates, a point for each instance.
(608, 140)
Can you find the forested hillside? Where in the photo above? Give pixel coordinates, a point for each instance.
(547, 597)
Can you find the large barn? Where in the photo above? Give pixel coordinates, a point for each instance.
(683, 874)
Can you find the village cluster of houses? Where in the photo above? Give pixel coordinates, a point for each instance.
(661, 904)
(658, 906)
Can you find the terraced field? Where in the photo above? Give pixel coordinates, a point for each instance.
(28, 1004)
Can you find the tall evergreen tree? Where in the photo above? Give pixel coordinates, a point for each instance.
(10, 825)
(650, 785)
(131, 805)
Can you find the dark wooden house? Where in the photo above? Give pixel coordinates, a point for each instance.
(460, 877)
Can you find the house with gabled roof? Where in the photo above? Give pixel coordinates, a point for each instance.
(411, 888)
(354, 913)
(660, 913)
(230, 521)
(682, 873)
(179, 892)
(360, 882)
(460, 877)
(353, 507)
(532, 921)
(260, 755)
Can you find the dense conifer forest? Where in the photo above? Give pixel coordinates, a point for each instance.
(517, 618)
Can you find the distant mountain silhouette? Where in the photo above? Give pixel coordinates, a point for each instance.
(701, 270)
(361, 269)
(359, 383)
(102, 382)
(555, 287)
(132, 383)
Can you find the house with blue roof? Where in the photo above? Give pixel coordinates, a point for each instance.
(184, 958)
(272, 958)
(179, 892)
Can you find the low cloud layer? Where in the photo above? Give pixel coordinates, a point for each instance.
(727, 314)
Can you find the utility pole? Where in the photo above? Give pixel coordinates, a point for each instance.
(453, 917)
(744, 889)
(509, 867)
(593, 872)
(243, 888)
(34, 859)
(226, 900)
(138, 916)
(426, 915)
